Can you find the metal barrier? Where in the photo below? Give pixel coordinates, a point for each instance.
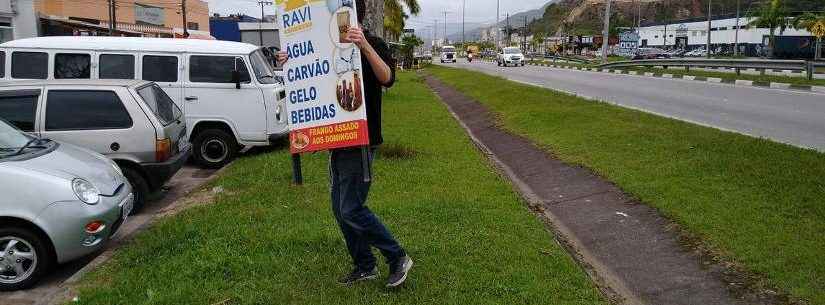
(737, 64)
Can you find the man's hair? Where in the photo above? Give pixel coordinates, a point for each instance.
(362, 10)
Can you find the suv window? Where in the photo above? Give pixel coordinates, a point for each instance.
(29, 65)
(19, 108)
(117, 66)
(2, 64)
(215, 69)
(84, 110)
(160, 68)
(72, 66)
(160, 103)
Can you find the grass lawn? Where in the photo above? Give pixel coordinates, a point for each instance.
(265, 242)
(760, 204)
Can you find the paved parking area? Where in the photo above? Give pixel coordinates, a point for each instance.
(185, 181)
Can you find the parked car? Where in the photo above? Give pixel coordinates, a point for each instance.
(697, 53)
(229, 93)
(59, 202)
(448, 54)
(651, 53)
(133, 122)
(510, 56)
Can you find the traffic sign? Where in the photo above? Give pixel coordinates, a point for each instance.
(819, 29)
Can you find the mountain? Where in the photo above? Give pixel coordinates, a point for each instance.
(516, 20)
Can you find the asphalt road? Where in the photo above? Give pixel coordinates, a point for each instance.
(787, 116)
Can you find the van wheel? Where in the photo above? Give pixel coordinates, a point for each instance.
(24, 260)
(140, 188)
(214, 148)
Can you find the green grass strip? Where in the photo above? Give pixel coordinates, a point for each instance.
(760, 204)
(265, 242)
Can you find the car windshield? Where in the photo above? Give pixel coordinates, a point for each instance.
(448, 49)
(512, 51)
(11, 139)
(263, 70)
(160, 103)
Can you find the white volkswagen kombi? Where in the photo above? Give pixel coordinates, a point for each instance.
(230, 95)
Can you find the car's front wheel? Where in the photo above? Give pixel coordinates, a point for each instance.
(214, 148)
(24, 260)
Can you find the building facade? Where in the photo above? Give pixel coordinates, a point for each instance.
(149, 18)
(18, 19)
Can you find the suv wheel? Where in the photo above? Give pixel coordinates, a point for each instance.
(24, 259)
(140, 188)
(214, 148)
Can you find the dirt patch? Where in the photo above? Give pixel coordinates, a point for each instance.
(396, 151)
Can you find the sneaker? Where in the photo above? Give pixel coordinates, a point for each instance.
(358, 276)
(398, 274)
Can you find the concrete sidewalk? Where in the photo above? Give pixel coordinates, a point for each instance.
(627, 247)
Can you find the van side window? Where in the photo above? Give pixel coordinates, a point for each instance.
(117, 66)
(160, 68)
(19, 108)
(30, 65)
(72, 66)
(85, 110)
(2, 64)
(216, 69)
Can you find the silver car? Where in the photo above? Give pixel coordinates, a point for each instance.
(132, 122)
(58, 202)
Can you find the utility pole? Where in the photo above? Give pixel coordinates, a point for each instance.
(261, 23)
(435, 32)
(185, 22)
(508, 29)
(710, 6)
(445, 26)
(524, 35)
(606, 32)
(111, 17)
(498, 28)
(736, 38)
(463, 4)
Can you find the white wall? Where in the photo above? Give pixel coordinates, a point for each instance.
(697, 33)
(24, 21)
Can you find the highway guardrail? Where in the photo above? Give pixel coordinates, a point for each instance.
(737, 64)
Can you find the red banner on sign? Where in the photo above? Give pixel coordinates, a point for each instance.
(346, 134)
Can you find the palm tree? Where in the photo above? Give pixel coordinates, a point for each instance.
(808, 21)
(772, 15)
(394, 15)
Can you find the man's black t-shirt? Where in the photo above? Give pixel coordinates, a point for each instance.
(373, 88)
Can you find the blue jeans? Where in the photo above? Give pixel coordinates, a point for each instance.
(361, 228)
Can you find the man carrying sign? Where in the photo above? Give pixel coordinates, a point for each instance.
(360, 227)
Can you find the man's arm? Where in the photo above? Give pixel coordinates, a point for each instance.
(383, 72)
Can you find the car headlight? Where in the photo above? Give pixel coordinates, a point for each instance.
(85, 191)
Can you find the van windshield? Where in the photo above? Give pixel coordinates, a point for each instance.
(160, 103)
(448, 49)
(263, 70)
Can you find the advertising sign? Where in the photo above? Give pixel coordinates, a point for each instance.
(628, 43)
(148, 14)
(324, 81)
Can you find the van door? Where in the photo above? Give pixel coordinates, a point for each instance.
(165, 70)
(211, 94)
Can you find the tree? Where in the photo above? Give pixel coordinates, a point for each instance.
(394, 15)
(772, 15)
(408, 45)
(808, 21)
(374, 20)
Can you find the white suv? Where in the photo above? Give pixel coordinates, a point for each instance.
(448, 54)
(510, 56)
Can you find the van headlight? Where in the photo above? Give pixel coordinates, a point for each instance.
(85, 191)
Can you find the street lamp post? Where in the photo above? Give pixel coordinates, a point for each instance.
(736, 36)
(606, 32)
(710, 6)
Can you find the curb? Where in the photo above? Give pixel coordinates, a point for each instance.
(732, 81)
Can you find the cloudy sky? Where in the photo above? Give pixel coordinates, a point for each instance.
(478, 11)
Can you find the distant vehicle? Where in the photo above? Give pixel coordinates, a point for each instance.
(132, 122)
(510, 56)
(793, 47)
(701, 52)
(229, 93)
(677, 53)
(651, 53)
(59, 202)
(448, 54)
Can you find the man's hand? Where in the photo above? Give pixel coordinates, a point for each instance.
(282, 57)
(356, 35)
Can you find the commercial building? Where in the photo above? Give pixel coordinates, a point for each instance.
(693, 34)
(147, 18)
(18, 19)
(243, 28)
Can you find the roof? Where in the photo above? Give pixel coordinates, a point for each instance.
(72, 82)
(141, 44)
